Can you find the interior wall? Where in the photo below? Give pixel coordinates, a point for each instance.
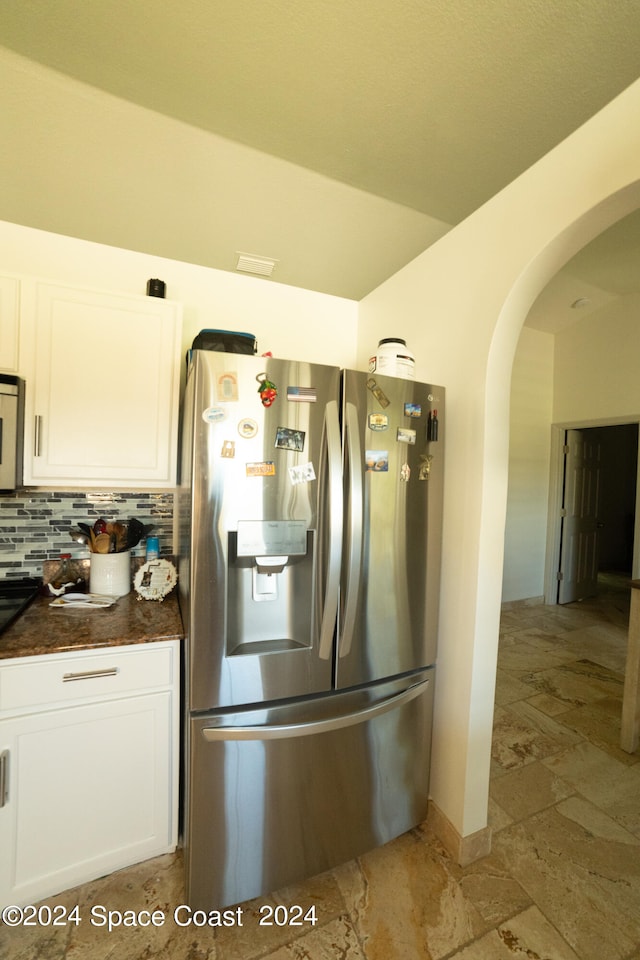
(290, 322)
(461, 305)
(585, 374)
(596, 366)
(529, 454)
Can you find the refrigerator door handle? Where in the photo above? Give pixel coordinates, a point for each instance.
(332, 587)
(281, 731)
(354, 562)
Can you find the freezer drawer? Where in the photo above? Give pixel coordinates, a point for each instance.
(278, 795)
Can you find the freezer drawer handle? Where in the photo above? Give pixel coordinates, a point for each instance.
(280, 732)
(90, 674)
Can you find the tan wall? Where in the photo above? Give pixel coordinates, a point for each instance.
(461, 305)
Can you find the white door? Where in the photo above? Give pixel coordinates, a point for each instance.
(578, 573)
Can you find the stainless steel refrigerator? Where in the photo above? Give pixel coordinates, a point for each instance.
(310, 525)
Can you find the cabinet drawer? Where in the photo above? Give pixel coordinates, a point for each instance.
(61, 679)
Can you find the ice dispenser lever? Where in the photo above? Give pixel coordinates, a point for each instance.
(265, 584)
(271, 564)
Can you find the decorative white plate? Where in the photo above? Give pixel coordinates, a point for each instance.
(155, 579)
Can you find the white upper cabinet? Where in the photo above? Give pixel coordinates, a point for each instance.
(9, 338)
(102, 372)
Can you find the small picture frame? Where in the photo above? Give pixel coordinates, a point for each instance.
(227, 387)
(376, 461)
(155, 579)
(405, 436)
(287, 439)
(302, 473)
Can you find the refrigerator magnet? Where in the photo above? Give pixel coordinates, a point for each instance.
(412, 410)
(214, 414)
(378, 421)
(267, 390)
(287, 439)
(405, 472)
(247, 428)
(228, 449)
(405, 436)
(376, 461)
(227, 387)
(302, 394)
(378, 392)
(432, 426)
(266, 468)
(425, 467)
(302, 473)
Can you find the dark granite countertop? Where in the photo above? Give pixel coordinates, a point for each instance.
(43, 629)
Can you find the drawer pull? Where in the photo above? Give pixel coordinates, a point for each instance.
(90, 674)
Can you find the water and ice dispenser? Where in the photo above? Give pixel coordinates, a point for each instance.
(270, 586)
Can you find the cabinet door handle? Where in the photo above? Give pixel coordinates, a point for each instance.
(4, 777)
(37, 434)
(90, 674)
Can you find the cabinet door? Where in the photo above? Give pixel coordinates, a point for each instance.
(88, 790)
(102, 388)
(9, 342)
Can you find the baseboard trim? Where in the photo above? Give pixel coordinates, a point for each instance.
(464, 850)
(519, 604)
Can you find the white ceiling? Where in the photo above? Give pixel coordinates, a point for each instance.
(432, 104)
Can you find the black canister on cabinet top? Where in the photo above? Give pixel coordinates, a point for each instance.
(156, 288)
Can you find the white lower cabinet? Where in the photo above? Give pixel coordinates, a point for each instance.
(89, 775)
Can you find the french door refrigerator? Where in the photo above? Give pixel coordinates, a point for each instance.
(310, 527)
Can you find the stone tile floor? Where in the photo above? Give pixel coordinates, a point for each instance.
(563, 878)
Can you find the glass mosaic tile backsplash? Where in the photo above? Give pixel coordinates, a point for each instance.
(35, 524)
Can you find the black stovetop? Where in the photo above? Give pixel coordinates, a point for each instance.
(15, 596)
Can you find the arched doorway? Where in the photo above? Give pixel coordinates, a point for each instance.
(507, 331)
(570, 379)
(528, 284)
(462, 304)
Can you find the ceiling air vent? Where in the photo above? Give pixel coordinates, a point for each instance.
(262, 266)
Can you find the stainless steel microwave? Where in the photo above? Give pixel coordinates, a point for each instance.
(11, 431)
